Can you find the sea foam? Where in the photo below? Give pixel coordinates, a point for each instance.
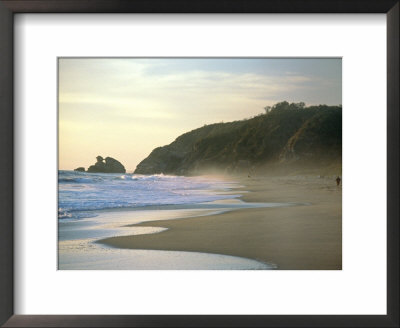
(81, 194)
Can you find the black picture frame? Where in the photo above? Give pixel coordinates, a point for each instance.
(10, 7)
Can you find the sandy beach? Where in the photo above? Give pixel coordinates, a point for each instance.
(307, 236)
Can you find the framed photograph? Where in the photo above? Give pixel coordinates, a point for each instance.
(206, 164)
(212, 175)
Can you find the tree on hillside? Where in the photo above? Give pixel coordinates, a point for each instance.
(284, 105)
(281, 105)
(267, 109)
(299, 105)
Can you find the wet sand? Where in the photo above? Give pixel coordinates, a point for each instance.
(301, 237)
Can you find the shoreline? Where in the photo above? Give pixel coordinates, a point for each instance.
(295, 237)
(78, 249)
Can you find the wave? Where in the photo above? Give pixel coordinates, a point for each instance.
(64, 214)
(83, 177)
(77, 180)
(82, 192)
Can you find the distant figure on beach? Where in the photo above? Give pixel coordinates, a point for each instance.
(338, 181)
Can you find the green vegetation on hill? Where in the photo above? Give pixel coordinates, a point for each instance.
(286, 135)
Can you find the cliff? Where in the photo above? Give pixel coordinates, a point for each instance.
(286, 134)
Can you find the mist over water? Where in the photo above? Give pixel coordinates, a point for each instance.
(82, 194)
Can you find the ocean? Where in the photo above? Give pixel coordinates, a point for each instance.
(83, 195)
(95, 206)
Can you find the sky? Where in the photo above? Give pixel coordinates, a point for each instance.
(126, 107)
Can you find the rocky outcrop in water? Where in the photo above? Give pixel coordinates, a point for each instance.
(80, 169)
(107, 165)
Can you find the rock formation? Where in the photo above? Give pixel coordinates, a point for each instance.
(299, 135)
(107, 165)
(80, 169)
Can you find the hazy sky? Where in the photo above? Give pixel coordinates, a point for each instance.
(124, 108)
